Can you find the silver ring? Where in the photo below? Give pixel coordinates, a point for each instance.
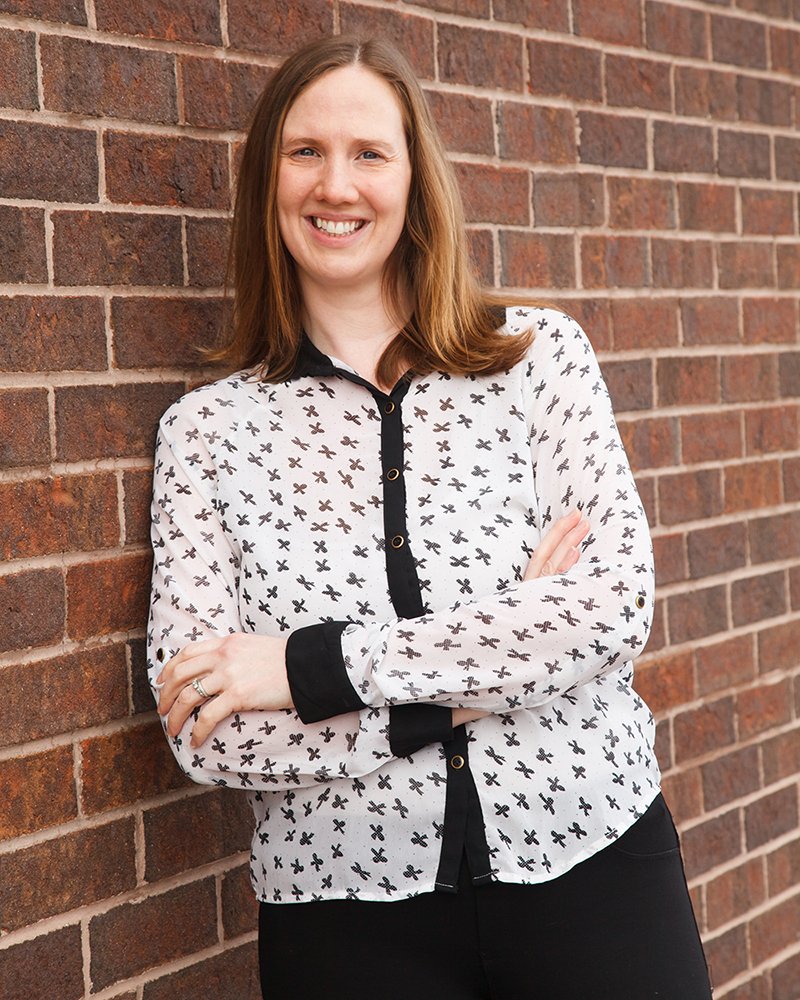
(197, 684)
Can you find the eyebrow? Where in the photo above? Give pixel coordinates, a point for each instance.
(305, 140)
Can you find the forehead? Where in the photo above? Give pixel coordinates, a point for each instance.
(349, 97)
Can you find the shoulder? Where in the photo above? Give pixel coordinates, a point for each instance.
(217, 404)
(556, 335)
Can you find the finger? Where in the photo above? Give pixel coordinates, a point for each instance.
(186, 696)
(552, 539)
(209, 717)
(567, 552)
(176, 676)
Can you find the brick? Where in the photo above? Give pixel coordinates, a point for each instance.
(494, 194)
(697, 614)
(763, 708)
(644, 323)
(787, 159)
(97, 80)
(752, 486)
(783, 868)
(781, 756)
(794, 591)
(779, 647)
(195, 831)
(479, 58)
(711, 843)
(218, 93)
(673, 29)
(24, 419)
(717, 549)
(538, 135)
(683, 792)
(481, 253)
(47, 162)
(757, 598)
(233, 975)
(31, 608)
(774, 537)
(743, 154)
(766, 320)
(730, 777)
(641, 203)
(138, 935)
(52, 333)
(140, 325)
(536, 260)
(90, 612)
(157, 170)
(749, 377)
(772, 8)
(735, 892)
(788, 266)
(666, 682)
(22, 251)
(745, 264)
(612, 141)
(650, 443)
(770, 817)
(50, 965)
(739, 41)
(789, 374)
(614, 261)
(619, 23)
(414, 36)
(120, 248)
(63, 693)
(785, 978)
(669, 553)
(469, 8)
(791, 479)
(137, 489)
(687, 380)
(568, 200)
(174, 20)
(638, 83)
(239, 904)
(66, 11)
(553, 15)
(705, 93)
(726, 955)
(708, 437)
(768, 102)
(59, 514)
(725, 664)
(682, 263)
(126, 766)
(683, 148)
(207, 251)
(707, 206)
(630, 384)
(662, 745)
(37, 791)
(710, 320)
(129, 412)
(784, 47)
(563, 70)
(771, 429)
(466, 123)
(66, 872)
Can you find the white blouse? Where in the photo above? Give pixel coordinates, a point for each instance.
(387, 535)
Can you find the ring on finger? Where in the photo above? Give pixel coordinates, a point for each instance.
(197, 684)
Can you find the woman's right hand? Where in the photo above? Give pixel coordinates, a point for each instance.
(557, 552)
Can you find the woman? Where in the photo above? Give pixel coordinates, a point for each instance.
(359, 614)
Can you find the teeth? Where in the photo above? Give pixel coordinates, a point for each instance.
(336, 228)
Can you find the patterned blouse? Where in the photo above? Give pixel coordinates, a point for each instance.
(386, 536)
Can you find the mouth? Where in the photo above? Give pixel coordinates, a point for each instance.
(338, 227)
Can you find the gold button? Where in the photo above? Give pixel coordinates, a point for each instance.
(398, 542)
(639, 601)
(389, 408)
(457, 762)
(392, 474)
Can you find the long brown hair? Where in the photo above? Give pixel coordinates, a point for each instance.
(453, 322)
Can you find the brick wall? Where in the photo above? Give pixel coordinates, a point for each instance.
(634, 159)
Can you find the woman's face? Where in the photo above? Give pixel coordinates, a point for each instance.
(343, 180)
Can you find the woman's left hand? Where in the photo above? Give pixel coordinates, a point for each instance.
(239, 672)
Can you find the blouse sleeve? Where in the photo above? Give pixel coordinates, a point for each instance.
(535, 640)
(194, 596)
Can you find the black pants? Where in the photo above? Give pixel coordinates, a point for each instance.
(616, 927)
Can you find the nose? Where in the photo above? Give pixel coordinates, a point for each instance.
(336, 183)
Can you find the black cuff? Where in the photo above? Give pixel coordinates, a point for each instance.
(317, 675)
(414, 726)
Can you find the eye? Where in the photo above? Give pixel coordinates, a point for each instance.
(304, 153)
(370, 155)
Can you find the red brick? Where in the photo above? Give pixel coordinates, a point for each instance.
(710, 320)
(730, 777)
(60, 333)
(767, 320)
(749, 377)
(50, 965)
(24, 419)
(673, 29)
(770, 817)
(139, 935)
(64, 693)
(638, 83)
(772, 8)
(705, 93)
(195, 831)
(414, 36)
(731, 895)
(619, 23)
(758, 597)
(669, 552)
(174, 20)
(97, 80)
(31, 608)
(66, 872)
(239, 904)
(682, 263)
(725, 664)
(744, 264)
(47, 162)
(644, 323)
(207, 251)
(650, 443)
(219, 93)
(614, 261)
(137, 488)
(494, 194)
(701, 730)
(66, 11)
(536, 260)
(726, 955)
(22, 251)
(538, 135)
(568, 200)
(739, 41)
(763, 708)
(563, 70)
(479, 58)
(708, 437)
(277, 28)
(630, 384)
(552, 15)
(779, 647)
(711, 843)
(794, 591)
(37, 791)
(687, 380)
(666, 682)
(791, 478)
(469, 8)
(683, 793)
(612, 141)
(481, 252)
(784, 47)
(697, 614)
(789, 374)
(641, 203)
(124, 767)
(774, 537)
(783, 868)
(662, 745)
(683, 148)
(707, 206)
(771, 429)
(717, 549)
(90, 612)
(157, 170)
(785, 978)
(97, 421)
(465, 122)
(752, 486)
(768, 102)
(781, 756)
(233, 975)
(743, 154)
(140, 325)
(788, 265)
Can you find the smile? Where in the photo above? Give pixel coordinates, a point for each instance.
(339, 228)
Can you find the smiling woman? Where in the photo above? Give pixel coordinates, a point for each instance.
(401, 572)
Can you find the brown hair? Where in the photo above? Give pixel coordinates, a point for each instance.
(453, 323)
